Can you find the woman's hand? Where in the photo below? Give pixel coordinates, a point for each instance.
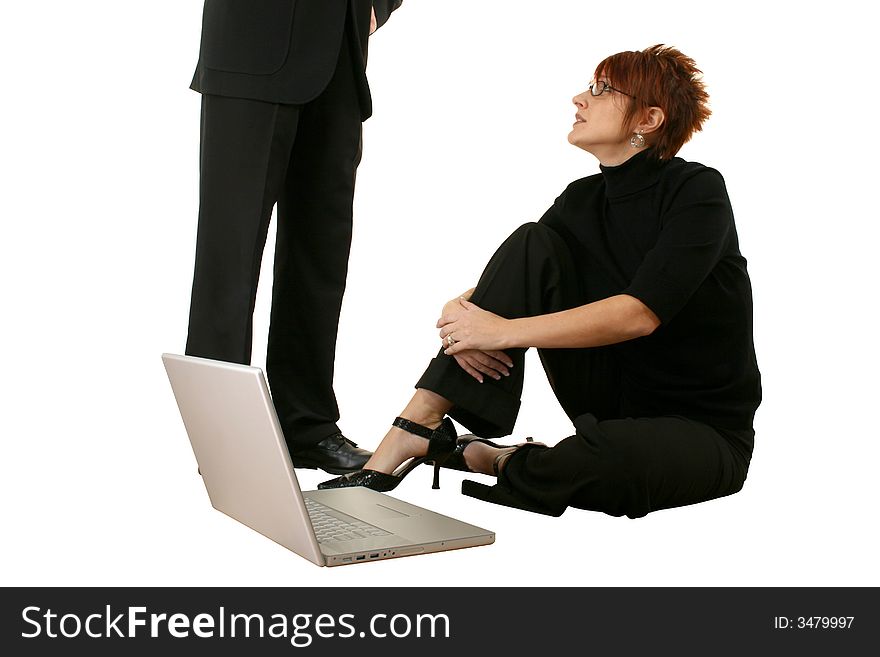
(494, 364)
(453, 304)
(476, 362)
(470, 327)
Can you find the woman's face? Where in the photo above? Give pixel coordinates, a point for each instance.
(599, 127)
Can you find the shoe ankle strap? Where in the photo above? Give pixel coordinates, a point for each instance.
(413, 427)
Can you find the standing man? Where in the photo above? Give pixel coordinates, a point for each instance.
(284, 93)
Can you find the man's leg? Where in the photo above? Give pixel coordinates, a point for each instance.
(311, 262)
(245, 148)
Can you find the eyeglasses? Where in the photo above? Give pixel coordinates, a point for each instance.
(600, 87)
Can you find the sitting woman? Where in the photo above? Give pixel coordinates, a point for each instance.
(633, 289)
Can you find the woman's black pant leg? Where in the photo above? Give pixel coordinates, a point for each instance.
(532, 273)
(626, 467)
(584, 380)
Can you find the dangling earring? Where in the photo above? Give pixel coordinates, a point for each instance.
(637, 141)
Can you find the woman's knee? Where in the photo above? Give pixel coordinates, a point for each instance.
(543, 249)
(533, 231)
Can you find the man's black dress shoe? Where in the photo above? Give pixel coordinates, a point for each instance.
(336, 455)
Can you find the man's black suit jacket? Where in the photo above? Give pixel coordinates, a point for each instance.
(282, 51)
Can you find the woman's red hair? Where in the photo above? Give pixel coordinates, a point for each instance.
(660, 76)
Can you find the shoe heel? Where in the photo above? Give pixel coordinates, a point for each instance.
(436, 484)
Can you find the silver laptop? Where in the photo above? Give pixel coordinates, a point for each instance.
(244, 462)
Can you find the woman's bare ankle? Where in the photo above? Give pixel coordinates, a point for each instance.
(483, 458)
(396, 447)
(426, 408)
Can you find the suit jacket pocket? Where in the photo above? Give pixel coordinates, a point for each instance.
(246, 36)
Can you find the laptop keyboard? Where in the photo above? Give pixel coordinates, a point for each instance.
(330, 525)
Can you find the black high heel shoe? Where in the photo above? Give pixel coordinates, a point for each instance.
(441, 443)
(456, 461)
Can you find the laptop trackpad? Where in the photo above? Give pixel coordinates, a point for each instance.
(366, 505)
(382, 511)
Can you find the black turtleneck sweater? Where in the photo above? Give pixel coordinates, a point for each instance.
(663, 232)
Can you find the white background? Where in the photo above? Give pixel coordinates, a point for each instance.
(472, 107)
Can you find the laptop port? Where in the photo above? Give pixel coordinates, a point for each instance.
(374, 555)
(346, 558)
(361, 557)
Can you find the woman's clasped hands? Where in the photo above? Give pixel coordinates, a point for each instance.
(475, 337)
